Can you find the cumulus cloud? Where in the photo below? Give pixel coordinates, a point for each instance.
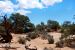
(8, 6)
(50, 2)
(23, 12)
(28, 4)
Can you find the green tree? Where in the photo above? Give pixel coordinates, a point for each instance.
(38, 27)
(41, 27)
(53, 25)
(30, 27)
(5, 28)
(20, 22)
(65, 26)
(67, 29)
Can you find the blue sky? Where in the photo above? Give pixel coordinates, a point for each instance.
(41, 10)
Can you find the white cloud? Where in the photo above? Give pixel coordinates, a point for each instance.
(8, 6)
(23, 12)
(50, 2)
(27, 4)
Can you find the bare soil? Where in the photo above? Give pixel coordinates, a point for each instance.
(39, 43)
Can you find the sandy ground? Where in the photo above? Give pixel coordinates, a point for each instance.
(38, 42)
(55, 35)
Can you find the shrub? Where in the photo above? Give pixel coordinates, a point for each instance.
(2, 30)
(70, 43)
(50, 39)
(27, 38)
(59, 44)
(44, 35)
(22, 40)
(32, 35)
(46, 48)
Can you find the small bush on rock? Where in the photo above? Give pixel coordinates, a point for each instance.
(44, 35)
(46, 48)
(22, 40)
(50, 39)
(28, 39)
(32, 35)
(59, 44)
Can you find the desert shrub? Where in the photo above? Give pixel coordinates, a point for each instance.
(44, 35)
(2, 30)
(22, 40)
(67, 42)
(51, 48)
(32, 35)
(28, 39)
(70, 43)
(67, 29)
(50, 39)
(48, 30)
(60, 44)
(46, 48)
